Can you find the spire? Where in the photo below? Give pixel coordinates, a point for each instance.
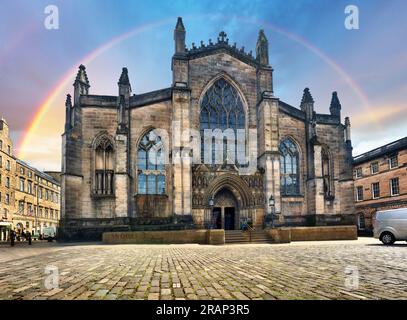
(306, 97)
(68, 101)
(307, 105)
(179, 37)
(335, 108)
(262, 49)
(180, 25)
(124, 77)
(81, 84)
(81, 76)
(124, 84)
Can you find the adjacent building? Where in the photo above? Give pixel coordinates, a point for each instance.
(302, 166)
(380, 181)
(7, 180)
(30, 199)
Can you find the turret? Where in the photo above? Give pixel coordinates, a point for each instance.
(262, 49)
(179, 37)
(335, 108)
(81, 84)
(307, 104)
(179, 65)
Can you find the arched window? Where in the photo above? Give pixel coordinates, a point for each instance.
(222, 108)
(150, 163)
(289, 168)
(104, 167)
(327, 174)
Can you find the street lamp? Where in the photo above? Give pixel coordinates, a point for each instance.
(272, 203)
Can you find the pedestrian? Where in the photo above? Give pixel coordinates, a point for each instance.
(12, 236)
(28, 237)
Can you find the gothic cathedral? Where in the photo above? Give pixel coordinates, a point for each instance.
(154, 161)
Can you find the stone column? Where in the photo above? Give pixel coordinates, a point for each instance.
(269, 139)
(319, 181)
(182, 170)
(187, 182)
(122, 179)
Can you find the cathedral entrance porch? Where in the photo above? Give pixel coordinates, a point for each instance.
(223, 218)
(229, 218)
(224, 211)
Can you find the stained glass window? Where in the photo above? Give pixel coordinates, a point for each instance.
(289, 170)
(222, 108)
(150, 165)
(104, 167)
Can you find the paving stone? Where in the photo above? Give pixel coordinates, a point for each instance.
(317, 270)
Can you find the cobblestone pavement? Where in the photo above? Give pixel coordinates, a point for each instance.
(303, 270)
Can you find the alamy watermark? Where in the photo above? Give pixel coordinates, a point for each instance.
(351, 277)
(51, 280)
(51, 21)
(210, 146)
(352, 18)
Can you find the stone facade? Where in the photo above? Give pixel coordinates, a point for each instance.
(385, 170)
(115, 193)
(29, 198)
(37, 199)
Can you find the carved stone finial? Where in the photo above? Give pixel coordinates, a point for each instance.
(202, 44)
(222, 36)
(262, 51)
(68, 101)
(179, 37)
(307, 97)
(81, 76)
(180, 25)
(335, 107)
(124, 77)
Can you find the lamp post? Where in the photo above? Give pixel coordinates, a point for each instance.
(272, 206)
(211, 204)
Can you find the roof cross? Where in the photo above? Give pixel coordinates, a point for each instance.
(222, 36)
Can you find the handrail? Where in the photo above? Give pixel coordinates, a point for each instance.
(250, 229)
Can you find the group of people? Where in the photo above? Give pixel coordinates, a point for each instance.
(26, 235)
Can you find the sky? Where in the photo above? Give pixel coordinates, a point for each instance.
(309, 46)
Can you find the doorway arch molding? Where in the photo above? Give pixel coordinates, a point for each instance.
(234, 184)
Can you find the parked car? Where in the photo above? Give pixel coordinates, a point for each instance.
(391, 225)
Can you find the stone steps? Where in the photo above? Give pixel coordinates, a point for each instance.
(238, 236)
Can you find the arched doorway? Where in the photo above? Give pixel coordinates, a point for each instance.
(19, 228)
(225, 210)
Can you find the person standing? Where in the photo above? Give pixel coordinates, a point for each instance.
(28, 237)
(12, 236)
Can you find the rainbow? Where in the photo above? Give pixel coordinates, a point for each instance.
(44, 107)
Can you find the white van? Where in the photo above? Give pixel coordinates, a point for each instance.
(49, 233)
(391, 225)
